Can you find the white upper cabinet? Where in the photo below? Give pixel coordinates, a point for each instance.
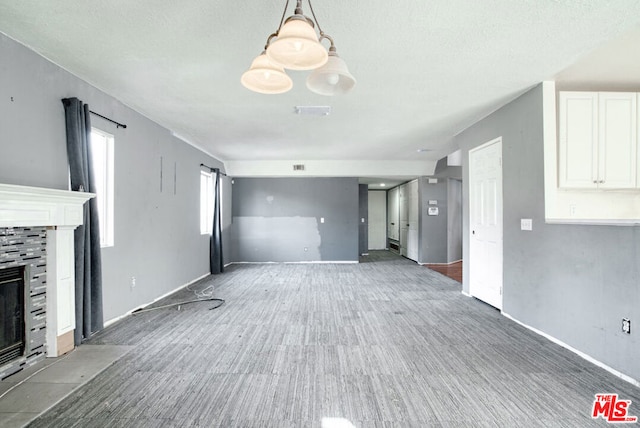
(598, 140)
(578, 135)
(617, 156)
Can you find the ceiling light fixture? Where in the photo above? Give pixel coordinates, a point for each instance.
(297, 47)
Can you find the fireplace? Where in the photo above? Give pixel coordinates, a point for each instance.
(23, 297)
(37, 299)
(13, 320)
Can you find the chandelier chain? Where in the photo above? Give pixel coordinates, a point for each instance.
(284, 13)
(314, 18)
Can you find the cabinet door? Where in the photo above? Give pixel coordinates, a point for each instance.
(617, 158)
(578, 139)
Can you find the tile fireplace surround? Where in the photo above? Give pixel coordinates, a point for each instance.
(54, 213)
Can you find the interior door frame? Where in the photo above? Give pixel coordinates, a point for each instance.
(499, 274)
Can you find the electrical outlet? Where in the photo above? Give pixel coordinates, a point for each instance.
(526, 224)
(626, 325)
(133, 281)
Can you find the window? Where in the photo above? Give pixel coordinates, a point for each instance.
(207, 202)
(102, 160)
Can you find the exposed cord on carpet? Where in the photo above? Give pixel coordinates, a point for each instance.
(204, 295)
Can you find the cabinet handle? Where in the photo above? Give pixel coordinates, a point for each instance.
(595, 181)
(601, 181)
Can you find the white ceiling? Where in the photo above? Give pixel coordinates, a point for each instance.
(425, 69)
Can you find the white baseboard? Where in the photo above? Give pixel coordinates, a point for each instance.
(114, 320)
(441, 264)
(297, 263)
(577, 352)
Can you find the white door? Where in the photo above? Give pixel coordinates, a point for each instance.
(485, 243)
(377, 219)
(393, 230)
(403, 197)
(413, 211)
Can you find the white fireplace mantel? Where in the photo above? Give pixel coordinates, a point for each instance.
(61, 211)
(22, 206)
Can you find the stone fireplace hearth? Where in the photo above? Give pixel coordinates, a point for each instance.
(36, 231)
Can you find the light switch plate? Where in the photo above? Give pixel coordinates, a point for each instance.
(526, 224)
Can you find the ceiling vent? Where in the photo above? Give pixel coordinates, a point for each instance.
(312, 110)
(298, 167)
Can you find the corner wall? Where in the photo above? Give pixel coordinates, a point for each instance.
(363, 219)
(574, 283)
(433, 228)
(157, 236)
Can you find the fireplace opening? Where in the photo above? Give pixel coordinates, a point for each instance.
(12, 313)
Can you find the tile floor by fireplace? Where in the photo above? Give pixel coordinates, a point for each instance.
(27, 394)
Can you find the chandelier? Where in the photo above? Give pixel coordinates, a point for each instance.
(297, 46)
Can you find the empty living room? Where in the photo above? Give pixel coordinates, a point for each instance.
(239, 215)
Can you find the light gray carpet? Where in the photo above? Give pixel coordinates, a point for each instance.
(385, 343)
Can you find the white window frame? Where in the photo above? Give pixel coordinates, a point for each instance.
(207, 202)
(102, 151)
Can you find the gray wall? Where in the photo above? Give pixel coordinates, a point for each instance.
(441, 235)
(454, 223)
(433, 229)
(157, 236)
(572, 282)
(363, 226)
(278, 219)
(226, 219)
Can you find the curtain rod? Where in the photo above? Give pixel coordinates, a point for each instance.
(118, 124)
(214, 169)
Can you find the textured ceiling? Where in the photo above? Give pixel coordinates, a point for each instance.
(425, 69)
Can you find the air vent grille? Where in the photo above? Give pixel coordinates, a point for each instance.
(312, 110)
(298, 167)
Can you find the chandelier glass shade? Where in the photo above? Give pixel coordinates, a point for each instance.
(297, 46)
(266, 77)
(333, 78)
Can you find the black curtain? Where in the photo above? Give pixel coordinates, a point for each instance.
(217, 262)
(88, 266)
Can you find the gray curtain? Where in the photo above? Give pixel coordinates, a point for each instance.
(217, 262)
(88, 266)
